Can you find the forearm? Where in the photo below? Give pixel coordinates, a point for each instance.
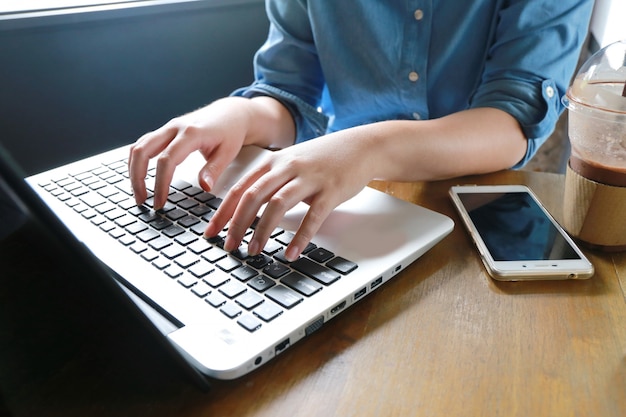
(469, 142)
(270, 124)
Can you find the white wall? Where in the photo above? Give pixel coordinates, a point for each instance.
(608, 22)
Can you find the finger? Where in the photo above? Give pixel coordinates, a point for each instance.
(217, 161)
(241, 205)
(146, 148)
(279, 203)
(179, 148)
(318, 211)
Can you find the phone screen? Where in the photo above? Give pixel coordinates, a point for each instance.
(515, 228)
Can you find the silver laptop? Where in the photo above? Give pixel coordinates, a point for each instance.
(226, 314)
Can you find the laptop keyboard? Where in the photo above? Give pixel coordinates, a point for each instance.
(252, 290)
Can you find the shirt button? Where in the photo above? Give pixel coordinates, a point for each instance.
(550, 91)
(417, 116)
(413, 76)
(419, 14)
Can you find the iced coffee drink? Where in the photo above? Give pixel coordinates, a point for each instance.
(595, 186)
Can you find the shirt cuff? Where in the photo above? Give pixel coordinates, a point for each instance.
(536, 109)
(310, 123)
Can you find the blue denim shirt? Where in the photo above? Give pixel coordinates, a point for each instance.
(342, 63)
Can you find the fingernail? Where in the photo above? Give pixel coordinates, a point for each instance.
(208, 182)
(230, 244)
(292, 253)
(253, 248)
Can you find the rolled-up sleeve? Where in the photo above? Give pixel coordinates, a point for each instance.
(287, 68)
(531, 62)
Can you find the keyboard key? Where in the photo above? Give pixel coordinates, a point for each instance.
(271, 247)
(116, 213)
(161, 262)
(284, 296)
(186, 238)
(124, 220)
(244, 273)
(285, 238)
(204, 197)
(188, 203)
(147, 235)
(174, 271)
(176, 197)
(160, 243)
(276, 270)
(188, 221)
(139, 210)
(214, 254)
(199, 228)
(216, 278)
(201, 269)
(249, 323)
(304, 285)
(230, 309)
(180, 184)
(138, 247)
(160, 223)
(127, 240)
(249, 300)
(201, 289)
(173, 231)
(193, 190)
(200, 210)
(186, 260)
(232, 289)
(93, 199)
(149, 216)
(341, 265)
(319, 272)
(199, 246)
(214, 203)
(176, 214)
(261, 283)
(173, 251)
(216, 299)
(149, 255)
(228, 264)
(320, 255)
(135, 228)
(259, 261)
(187, 281)
(268, 311)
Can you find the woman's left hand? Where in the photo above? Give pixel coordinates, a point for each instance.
(323, 173)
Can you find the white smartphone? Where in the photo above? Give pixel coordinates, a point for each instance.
(517, 238)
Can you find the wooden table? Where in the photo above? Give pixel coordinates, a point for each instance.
(441, 339)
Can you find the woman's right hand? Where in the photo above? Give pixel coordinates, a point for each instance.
(217, 131)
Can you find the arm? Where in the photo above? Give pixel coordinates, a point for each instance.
(218, 131)
(333, 168)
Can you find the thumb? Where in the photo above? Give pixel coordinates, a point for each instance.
(212, 170)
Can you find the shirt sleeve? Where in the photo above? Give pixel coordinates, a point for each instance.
(287, 68)
(530, 63)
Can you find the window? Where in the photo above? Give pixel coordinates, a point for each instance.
(18, 6)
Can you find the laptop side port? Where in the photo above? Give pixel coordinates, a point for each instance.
(338, 307)
(314, 326)
(281, 346)
(376, 283)
(360, 293)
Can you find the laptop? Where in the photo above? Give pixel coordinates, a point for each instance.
(223, 314)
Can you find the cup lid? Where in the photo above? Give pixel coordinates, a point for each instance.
(601, 81)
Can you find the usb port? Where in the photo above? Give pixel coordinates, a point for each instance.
(281, 346)
(376, 282)
(360, 293)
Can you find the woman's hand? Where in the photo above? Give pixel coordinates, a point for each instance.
(323, 173)
(218, 131)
